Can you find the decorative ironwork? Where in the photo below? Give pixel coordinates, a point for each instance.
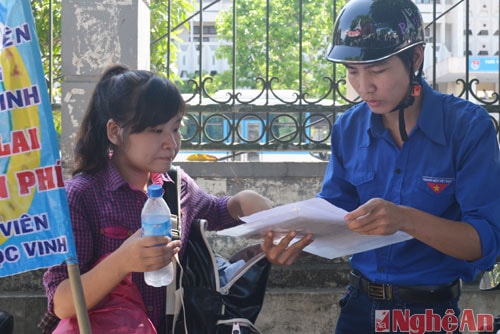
(266, 119)
(299, 121)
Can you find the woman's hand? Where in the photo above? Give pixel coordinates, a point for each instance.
(136, 254)
(247, 202)
(283, 252)
(141, 254)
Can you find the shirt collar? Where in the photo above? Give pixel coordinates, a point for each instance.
(374, 127)
(430, 120)
(116, 181)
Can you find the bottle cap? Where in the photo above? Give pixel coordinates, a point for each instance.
(155, 190)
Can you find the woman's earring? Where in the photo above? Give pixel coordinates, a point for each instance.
(110, 152)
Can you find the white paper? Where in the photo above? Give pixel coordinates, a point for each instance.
(332, 237)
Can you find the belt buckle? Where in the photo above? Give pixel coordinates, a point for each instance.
(380, 291)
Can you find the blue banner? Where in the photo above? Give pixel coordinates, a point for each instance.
(35, 228)
(483, 64)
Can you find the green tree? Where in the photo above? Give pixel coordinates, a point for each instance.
(50, 42)
(163, 59)
(48, 30)
(284, 51)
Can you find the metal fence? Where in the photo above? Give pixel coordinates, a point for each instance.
(259, 117)
(276, 91)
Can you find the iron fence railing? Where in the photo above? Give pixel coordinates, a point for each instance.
(256, 128)
(293, 107)
(267, 121)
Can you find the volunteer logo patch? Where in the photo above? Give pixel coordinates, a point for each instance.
(437, 184)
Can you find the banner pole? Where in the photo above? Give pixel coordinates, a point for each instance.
(82, 315)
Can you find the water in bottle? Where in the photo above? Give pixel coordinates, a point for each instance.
(156, 221)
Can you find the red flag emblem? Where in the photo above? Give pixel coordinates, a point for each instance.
(437, 187)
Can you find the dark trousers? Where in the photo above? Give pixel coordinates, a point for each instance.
(361, 313)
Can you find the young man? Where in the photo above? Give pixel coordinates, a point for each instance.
(408, 159)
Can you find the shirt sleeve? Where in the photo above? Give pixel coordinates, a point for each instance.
(51, 280)
(198, 204)
(478, 187)
(83, 242)
(335, 189)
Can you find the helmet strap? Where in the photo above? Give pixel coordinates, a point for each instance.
(408, 101)
(414, 90)
(402, 125)
(416, 87)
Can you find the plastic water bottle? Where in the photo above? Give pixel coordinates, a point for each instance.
(156, 221)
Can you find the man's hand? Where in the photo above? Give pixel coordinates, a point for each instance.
(376, 217)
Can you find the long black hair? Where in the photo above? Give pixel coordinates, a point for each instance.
(135, 100)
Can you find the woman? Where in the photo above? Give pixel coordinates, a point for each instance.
(128, 138)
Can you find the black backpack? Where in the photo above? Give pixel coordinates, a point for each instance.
(6, 323)
(203, 304)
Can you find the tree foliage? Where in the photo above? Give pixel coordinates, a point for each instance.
(292, 56)
(41, 12)
(160, 50)
(48, 31)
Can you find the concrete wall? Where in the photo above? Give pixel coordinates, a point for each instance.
(301, 298)
(95, 35)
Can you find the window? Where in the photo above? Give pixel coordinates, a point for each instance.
(205, 39)
(207, 30)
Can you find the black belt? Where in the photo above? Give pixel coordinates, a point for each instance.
(415, 294)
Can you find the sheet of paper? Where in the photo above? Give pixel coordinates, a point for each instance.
(332, 237)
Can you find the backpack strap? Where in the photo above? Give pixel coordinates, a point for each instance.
(172, 194)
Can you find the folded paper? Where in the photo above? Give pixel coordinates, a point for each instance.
(332, 237)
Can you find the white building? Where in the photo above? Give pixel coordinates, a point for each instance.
(189, 55)
(451, 44)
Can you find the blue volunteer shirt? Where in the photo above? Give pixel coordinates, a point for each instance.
(449, 167)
